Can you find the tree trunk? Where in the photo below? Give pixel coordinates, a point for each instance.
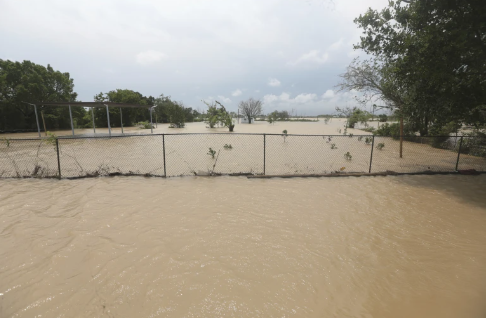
(401, 133)
(250, 119)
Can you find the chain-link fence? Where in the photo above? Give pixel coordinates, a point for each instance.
(236, 154)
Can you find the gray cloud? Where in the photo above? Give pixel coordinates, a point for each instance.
(188, 49)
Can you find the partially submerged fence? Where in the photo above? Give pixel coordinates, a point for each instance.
(166, 155)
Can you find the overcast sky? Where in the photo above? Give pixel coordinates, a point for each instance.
(286, 53)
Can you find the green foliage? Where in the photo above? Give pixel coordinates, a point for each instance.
(473, 143)
(333, 146)
(144, 125)
(392, 130)
(368, 140)
(177, 115)
(284, 134)
(51, 140)
(273, 117)
(29, 82)
(406, 37)
(6, 140)
(369, 129)
(347, 156)
(218, 115)
(442, 133)
(211, 153)
(228, 146)
(350, 135)
(380, 145)
(383, 118)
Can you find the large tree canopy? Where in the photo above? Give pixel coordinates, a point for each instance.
(435, 50)
(29, 82)
(130, 116)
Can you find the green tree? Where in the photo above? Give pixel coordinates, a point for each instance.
(436, 51)
(130, 116)
(29, 82)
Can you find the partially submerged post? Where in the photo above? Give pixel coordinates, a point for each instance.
(37, 120)
(71, 118)
(108, 120)
(93, 116)
(121, 122)
(150, 112)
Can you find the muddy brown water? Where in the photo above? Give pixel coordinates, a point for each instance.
(187, 154)
(404, 246)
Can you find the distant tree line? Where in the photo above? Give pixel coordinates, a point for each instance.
(26, 82)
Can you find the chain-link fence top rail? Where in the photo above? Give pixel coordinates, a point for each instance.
(234, 153)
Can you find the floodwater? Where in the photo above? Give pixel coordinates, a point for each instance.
(187, 153)
(405, 246)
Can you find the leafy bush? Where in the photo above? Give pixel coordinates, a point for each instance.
(380, 145)
(383, 118)
(368, 140)
(393, 130)
(227, 146)
(211, 153)
(144, 125)
(333, 146)
(348, 156)
(473, 144)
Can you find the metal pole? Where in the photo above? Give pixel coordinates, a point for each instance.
(402, 136)
(108, 119)
(121, 122)
(93, 116)
(264, 154)
(37, 120)
(71, 118)
(371, 153)
(164, 153)
(150, 112)
(58, 161)
(459, 149)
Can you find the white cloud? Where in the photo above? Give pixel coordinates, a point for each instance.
(286, 98)
(328, 94)
(314, 56)
(224, 99)
(237, 92)
(305, 98)
(274, 82)
(337, 45)
(149, 57)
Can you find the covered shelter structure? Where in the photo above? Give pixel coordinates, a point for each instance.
(92, 105)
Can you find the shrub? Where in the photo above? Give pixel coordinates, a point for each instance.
(368, 140)
(227, 146)
(333, 146)
(383, 118)
(348, 156)
(144, 125)
(380, 145)
(393, 130)
(211, 153)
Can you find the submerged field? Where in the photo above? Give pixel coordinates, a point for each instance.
(187, 152)
(410, 246)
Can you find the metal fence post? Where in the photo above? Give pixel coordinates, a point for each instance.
(264, 154)
(164, 153)
(58, 161)
(459, 149)
(371, 153)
